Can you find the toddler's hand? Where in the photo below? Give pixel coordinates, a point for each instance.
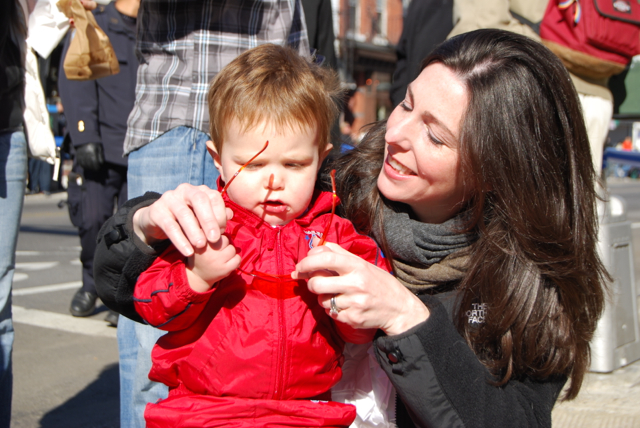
(211, 264)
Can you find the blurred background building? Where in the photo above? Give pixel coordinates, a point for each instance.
(367, 32)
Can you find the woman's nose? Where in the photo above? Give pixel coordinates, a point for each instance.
(397, 128)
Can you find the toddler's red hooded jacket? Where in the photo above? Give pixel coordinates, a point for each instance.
(257, 349)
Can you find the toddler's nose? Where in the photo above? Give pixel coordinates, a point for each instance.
(275, 183)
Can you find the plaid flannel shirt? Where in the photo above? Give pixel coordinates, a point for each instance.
(183, 44)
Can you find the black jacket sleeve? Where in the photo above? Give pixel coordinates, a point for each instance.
(442, 383)
(319, 19)
(121, 257)
(426, 24)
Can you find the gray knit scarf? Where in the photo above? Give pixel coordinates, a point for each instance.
(426, 255)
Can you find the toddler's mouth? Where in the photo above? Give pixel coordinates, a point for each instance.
(274, 206)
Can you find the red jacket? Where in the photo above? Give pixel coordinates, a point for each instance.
(255, 350)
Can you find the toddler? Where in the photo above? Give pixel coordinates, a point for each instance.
(246, 344)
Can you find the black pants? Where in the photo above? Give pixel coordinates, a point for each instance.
(92, 197)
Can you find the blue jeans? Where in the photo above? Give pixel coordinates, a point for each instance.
(176, 157)
(13, 175)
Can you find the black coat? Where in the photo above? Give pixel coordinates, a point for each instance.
(441, 382)
(318, 17)
(427, 24)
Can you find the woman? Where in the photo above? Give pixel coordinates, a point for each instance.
(481, 190)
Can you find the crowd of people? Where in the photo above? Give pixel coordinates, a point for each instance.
(251, 271)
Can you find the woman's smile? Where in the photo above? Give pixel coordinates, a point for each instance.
(398, 167)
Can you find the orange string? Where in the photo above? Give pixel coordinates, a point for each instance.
(333, 207)
(224, 190)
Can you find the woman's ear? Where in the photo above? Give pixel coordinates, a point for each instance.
(211, 148)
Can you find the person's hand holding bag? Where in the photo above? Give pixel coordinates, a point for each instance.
(90, 54)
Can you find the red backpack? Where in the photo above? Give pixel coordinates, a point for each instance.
(594, 38)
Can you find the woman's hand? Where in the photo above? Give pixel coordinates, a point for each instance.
(189, 216)
(366, 296)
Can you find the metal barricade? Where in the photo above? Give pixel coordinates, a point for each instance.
(617, 339)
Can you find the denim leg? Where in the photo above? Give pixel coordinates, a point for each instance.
(176, 157)
(13, 174)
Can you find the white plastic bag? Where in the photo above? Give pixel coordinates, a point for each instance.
(42, 145)
(365, 385)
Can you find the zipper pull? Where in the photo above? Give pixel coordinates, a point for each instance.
(271, 240)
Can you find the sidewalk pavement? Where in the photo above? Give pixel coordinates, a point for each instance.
(610, 400)
(606, 400)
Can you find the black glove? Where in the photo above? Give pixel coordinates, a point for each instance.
(90, 156)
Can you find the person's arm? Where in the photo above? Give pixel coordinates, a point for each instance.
(401, 77)
(426, 24)
(326, 35)
(81, 108)
(442, 383)
(128, 243)
(121, 257)
(163, 296)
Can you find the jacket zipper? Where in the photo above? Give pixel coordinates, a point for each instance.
(279, 387)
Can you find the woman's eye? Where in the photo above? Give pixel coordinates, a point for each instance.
(404, 105)
(432, 137)
(434, 140)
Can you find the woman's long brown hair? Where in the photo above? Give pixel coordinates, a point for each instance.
(526, 161)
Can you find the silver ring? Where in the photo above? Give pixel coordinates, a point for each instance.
(334, 308)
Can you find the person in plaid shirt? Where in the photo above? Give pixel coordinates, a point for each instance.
(182, 45)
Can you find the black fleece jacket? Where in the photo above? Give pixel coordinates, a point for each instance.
(440, 381)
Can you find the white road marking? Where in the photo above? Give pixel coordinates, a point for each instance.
(36, 265)
(62, 322)
(19, 276)
(635, 225)
(60, 250)
(28, 253)
(46, 288)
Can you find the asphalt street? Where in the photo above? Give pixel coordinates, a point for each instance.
(66, 368)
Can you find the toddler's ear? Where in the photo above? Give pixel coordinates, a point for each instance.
(211, 148)
(324, 154)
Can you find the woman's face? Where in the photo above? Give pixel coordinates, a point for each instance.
(421, 152)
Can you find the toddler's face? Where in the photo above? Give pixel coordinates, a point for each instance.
(278, 185)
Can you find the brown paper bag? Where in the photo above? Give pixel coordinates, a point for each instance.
(90, 54)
